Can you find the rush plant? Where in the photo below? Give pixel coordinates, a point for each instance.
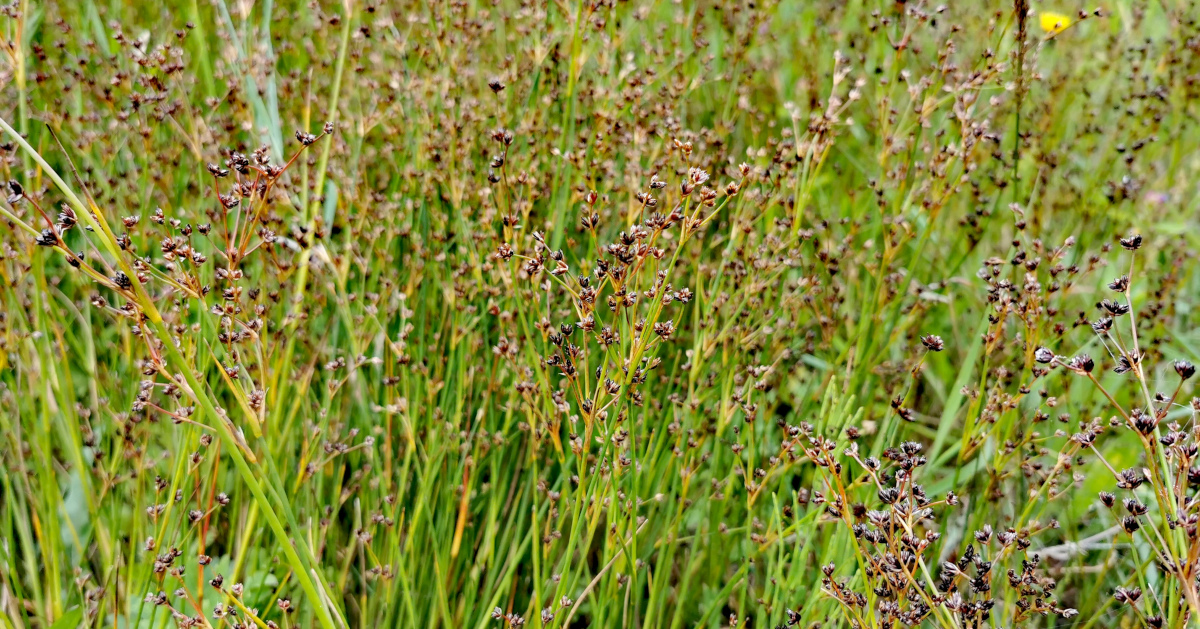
(796, 313)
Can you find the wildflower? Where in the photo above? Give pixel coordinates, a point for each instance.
(1054, 23)
(933, 343)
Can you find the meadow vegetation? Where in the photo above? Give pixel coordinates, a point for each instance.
(639, 313)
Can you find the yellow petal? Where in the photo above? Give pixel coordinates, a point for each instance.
(1054, 22)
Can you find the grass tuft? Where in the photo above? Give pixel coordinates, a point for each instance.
(599, 314)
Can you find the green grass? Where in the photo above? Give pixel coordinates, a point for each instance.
(597, 315)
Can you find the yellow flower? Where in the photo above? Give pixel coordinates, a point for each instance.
(1054, 23)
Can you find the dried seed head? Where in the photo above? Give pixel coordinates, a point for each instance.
(47, 238)
(15, 192)
(1082, 363)
(1114, 308)
(1134, 507)
(1184, 368)
(305, 138)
